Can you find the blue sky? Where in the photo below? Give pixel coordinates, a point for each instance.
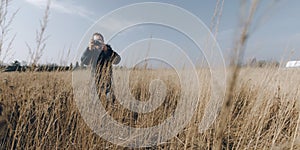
(277, 36)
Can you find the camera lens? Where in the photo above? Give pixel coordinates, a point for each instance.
(97, 42)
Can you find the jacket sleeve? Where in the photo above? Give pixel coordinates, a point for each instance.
(86, 57)
(116, 58)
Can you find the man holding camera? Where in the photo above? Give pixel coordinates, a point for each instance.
(101, 57)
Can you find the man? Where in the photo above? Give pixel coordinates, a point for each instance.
(101, 57)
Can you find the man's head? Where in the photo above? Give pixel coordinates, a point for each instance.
(98, 37)
(98, 42)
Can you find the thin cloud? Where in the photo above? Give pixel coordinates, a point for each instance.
(67, 7)
(112, 24)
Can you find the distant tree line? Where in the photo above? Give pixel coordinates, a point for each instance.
(261, 63)
(17, 66)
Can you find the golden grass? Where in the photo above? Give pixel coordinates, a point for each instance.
(39, 111)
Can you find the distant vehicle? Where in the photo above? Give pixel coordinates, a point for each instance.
(293, 64)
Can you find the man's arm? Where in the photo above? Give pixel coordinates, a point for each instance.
(115, 56)
(86, 57)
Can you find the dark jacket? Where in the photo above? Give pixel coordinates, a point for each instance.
(99, 57)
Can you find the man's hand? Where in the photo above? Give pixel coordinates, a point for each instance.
(101, 46)
(104, 47)
(91, 44)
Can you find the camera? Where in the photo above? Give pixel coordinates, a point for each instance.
(96, 43)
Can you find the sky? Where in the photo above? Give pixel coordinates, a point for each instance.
(276, 36)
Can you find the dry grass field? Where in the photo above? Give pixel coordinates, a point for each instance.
(38, 111)
(44, 110)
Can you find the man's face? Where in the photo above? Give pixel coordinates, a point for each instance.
(98, 38)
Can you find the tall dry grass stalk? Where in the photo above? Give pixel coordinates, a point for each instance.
(215, 21)
(40, 41)
(5, 27)
(235, 66)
